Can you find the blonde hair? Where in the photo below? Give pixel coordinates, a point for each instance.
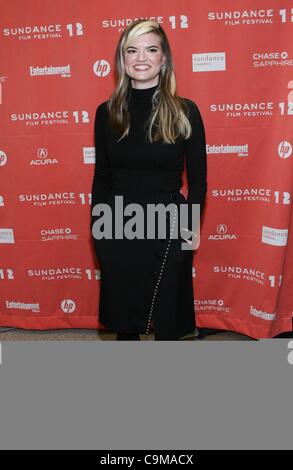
(169, 116)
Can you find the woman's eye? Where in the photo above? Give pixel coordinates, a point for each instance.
(151, 50)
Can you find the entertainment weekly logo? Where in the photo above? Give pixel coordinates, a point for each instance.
(222, 150)
(262, 314)
(11, 304)
(63, 70)
(249, 17)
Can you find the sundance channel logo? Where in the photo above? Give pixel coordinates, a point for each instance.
(141, 223)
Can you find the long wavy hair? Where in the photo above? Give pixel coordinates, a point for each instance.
(169, 117)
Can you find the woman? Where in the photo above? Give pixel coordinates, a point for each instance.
(142, 135)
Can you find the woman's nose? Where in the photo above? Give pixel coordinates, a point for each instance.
(141, 55)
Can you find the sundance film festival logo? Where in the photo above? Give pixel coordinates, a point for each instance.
(247, 110)
(175, 22)
(43, 31)
(240, 273)
(243, 194)
(50, 118)
(135, 227)
(256, 108)
(246, 17)
(51, 199)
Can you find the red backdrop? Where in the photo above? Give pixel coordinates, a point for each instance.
(234, 59)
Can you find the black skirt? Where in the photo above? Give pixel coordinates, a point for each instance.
(146, 284)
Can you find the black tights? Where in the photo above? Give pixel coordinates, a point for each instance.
(135, 337)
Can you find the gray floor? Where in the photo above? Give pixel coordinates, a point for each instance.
(18, 334)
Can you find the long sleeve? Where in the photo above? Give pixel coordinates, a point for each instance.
(196, 161)
(102, 174)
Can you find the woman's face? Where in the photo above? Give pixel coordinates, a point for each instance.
(145, 51)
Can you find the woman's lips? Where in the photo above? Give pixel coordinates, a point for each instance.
(141, 67)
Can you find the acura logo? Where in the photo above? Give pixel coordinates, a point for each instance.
(222, 228)
(42, 152)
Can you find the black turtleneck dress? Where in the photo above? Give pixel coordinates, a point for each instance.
(146, 284)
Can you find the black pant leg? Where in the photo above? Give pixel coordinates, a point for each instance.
(127, 337)
(166, 338)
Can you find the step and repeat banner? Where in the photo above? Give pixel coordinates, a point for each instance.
(234, 59)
